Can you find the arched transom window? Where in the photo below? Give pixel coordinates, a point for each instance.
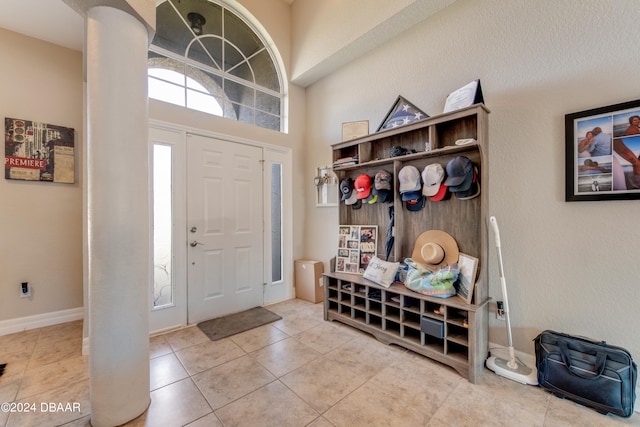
(206, 57)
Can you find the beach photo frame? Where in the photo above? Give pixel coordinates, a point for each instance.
(602, 149)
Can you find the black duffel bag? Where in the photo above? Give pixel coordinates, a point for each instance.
(588, 372)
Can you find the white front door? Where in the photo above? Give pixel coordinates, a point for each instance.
(225, 251)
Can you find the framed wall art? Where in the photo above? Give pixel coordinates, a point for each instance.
(37, 151)
(356, 247)
(602, 146)
(326, 183)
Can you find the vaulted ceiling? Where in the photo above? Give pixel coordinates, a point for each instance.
(325, 35)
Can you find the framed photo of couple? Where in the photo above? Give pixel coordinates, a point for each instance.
(602, 149)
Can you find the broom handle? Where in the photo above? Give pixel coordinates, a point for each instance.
(496, 232)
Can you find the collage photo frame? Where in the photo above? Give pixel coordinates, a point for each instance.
(356, 247)
(602, 147)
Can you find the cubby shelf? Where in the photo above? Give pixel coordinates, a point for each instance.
(392, 323)
(463, 343)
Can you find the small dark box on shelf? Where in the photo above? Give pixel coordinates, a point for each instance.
(432, 327)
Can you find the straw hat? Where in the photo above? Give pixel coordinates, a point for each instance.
(435, 249)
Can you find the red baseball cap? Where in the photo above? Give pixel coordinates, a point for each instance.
(442, 194)
(362, 185)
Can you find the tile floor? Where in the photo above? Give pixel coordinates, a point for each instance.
(298, 371)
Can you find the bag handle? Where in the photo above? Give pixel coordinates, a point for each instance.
(601, 359)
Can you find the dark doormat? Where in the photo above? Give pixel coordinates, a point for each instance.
(223, 327)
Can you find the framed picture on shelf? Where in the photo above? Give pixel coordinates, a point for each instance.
(468, 266)
(353, 130)
(356, 247)
(467, 95)
(602, 146)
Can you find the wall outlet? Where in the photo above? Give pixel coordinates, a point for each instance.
(500, 310)
(25, 290)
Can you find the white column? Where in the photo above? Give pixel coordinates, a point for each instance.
(118, 214)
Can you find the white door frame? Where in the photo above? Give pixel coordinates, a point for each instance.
(272, 153)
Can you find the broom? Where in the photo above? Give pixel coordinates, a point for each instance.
(508, 368)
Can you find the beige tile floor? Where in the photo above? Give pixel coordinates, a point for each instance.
(298, 371)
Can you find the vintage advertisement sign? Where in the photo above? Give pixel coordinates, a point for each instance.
(38, 151)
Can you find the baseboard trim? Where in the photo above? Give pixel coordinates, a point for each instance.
(167, 329)
(40, 320)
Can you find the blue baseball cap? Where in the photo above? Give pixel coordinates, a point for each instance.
(458, 169)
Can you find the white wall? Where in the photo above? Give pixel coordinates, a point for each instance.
(328, 34)
(41, 222)
(570, 267)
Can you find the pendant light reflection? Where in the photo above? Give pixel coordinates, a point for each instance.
(197, 21)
